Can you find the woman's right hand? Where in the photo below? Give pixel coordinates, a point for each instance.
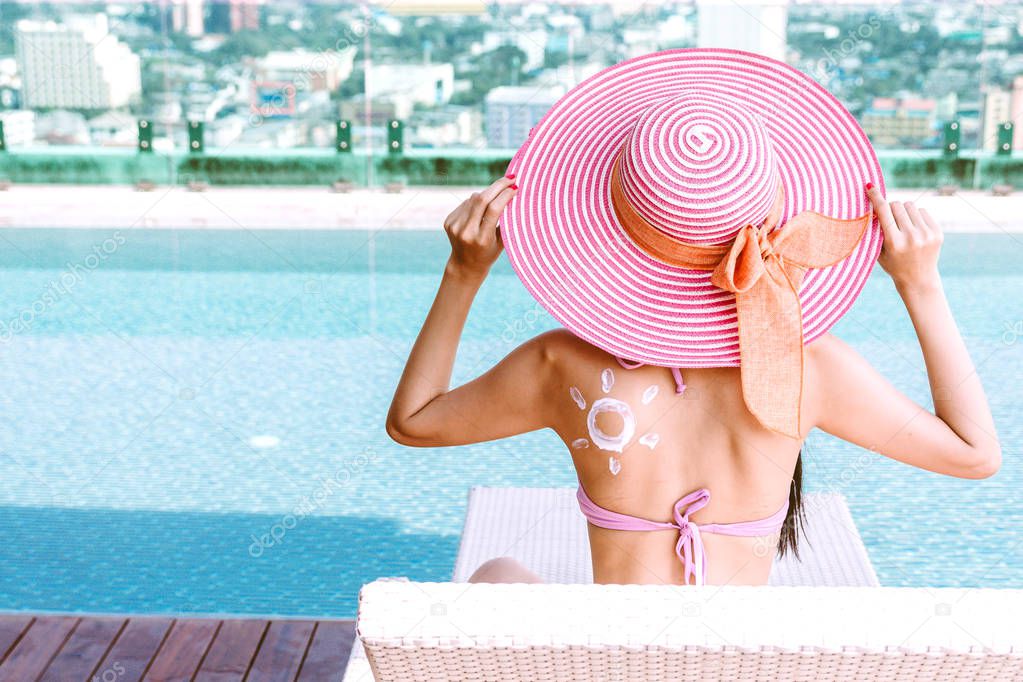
(472, 228)
(912, 242)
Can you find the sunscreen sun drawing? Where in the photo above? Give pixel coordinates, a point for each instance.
(608, 404)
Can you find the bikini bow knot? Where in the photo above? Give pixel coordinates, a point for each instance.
(689, 546)
(764, 268)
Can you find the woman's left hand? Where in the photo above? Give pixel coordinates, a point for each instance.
(472, 228)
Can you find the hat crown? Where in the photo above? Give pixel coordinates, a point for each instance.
(699, 167)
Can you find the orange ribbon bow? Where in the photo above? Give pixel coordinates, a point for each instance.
(764, 268)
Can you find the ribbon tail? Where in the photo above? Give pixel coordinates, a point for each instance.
(812, 240)
(700, 557)
(771, 349)
(681, 549)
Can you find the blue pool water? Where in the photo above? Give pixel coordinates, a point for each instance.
(168, 396)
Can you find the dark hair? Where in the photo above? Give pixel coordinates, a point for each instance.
(793, 524)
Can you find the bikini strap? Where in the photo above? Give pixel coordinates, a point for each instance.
(625, 363)
(676, 373)
(680, 386)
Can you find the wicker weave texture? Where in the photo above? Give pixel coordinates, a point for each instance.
(451, 631)
(488, 664)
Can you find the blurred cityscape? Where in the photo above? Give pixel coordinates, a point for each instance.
(468, 74)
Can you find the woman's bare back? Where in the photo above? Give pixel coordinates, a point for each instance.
(639, 446)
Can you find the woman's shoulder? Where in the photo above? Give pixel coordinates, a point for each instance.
(561, 348)
(828, 350)
(833, 367)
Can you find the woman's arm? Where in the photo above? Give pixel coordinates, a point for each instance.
(857, 404)
(502, 402)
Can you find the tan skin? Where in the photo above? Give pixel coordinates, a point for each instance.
(708, 438)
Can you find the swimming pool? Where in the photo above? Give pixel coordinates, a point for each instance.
(171, 397)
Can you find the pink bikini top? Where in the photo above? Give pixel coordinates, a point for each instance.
(689, 547)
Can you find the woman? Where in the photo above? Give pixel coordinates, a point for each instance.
(697, 228)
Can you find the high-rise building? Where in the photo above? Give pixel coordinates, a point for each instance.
(244, 15)
(753, 25)
(187, 16)
(997, 110)
(75, 64)
(1016, 112)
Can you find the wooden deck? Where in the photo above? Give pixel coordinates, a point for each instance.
(115, 649)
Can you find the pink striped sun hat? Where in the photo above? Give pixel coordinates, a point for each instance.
(654, 194)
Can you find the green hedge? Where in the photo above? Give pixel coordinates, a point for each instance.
(276, 170)
(84, 168)
(917, 171)
(1001, 170)
(442, 170)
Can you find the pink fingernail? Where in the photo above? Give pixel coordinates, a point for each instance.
(870, 185)
(510, 176)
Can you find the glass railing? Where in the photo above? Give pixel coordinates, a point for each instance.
(908, 168)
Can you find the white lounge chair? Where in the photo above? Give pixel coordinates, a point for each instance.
(544, 529)
(458, 632)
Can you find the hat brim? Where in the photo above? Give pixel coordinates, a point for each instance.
(566, 245)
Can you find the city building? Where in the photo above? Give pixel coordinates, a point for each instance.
(305, 70)
(969, 117)
(754, 25)
(187, 16)
(244, 15)
(449, 126)
(907, 122)
(1002, 106)
(997, 110)
(395, 98)
(947, 107)
(113, 129)
(675, 31)
(425, 84)
(510, 112)
(1016, 112)
(10, 83)
(19, 127)
(76, 64)
(381, 111)
(60, 127)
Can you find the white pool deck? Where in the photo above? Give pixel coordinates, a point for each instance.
(418, 207)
